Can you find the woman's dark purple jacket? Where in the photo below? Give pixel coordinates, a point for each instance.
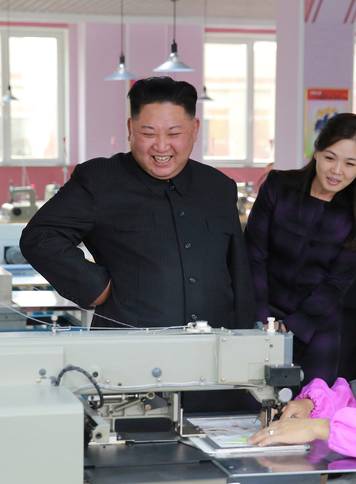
(299, 266)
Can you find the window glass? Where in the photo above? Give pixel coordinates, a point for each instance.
(264, 100)
(224, 118)
(34, 81)
(1, 111)
(240, 76)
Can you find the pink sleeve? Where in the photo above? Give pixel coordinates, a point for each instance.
(342, 437)
(327, 401)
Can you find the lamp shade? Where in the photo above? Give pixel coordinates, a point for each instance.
(120, 73)
(8, 97)
(204, 96)
(173, 64)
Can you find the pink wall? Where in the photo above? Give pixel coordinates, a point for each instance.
(102, 116)
(71, 144)
(244, 174)
(330, 66)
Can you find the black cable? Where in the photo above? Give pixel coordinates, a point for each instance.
(90, 378)
(174, 21)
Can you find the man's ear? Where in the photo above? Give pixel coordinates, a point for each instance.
(196, 128)
(129, 128)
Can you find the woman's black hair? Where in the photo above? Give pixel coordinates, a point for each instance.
(339, 127)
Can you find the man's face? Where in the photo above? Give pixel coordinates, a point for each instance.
(162, 137)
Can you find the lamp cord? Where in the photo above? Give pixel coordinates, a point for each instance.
(122, 28)
(174, 21)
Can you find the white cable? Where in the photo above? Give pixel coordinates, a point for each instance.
(63, 328)
(129, 325)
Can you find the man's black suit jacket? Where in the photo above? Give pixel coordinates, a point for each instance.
(172, 249)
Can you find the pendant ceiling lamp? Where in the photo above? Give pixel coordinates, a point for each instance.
(8, 97)
(204, 95)
(173, 64)
(121, 73)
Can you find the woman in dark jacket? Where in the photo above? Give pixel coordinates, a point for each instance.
(301, 240)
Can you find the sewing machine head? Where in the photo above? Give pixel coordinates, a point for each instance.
(140, 374)
(120, 375)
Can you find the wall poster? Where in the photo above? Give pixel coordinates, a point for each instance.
(321, 104)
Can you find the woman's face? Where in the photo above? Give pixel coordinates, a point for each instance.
(335, 169)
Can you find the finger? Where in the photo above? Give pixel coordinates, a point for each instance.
(258, 437)
(265, 436)
(261, 441)
(287, 414)
(288, 411)
(266, 440)
(263, 418)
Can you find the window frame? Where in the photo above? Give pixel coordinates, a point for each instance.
(61, 35)
(247, 39)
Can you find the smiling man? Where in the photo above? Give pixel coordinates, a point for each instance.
(163, 229)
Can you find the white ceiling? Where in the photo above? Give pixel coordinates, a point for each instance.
(259, 10)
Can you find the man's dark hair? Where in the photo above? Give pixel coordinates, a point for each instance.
(160, 90)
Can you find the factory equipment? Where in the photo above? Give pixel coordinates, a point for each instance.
(10, 234)
(50, 190)
(245, 201)
(54, 385)
(10, 316)
(21, 205)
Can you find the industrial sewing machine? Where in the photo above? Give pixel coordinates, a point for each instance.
(22, 204)
(54, 384)
(11, 317)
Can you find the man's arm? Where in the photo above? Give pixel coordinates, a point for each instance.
(50, 242)
(103, 296)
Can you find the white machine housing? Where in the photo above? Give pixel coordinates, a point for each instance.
(121, 362)
(10, 234)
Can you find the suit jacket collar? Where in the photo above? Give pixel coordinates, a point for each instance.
(181, 182)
